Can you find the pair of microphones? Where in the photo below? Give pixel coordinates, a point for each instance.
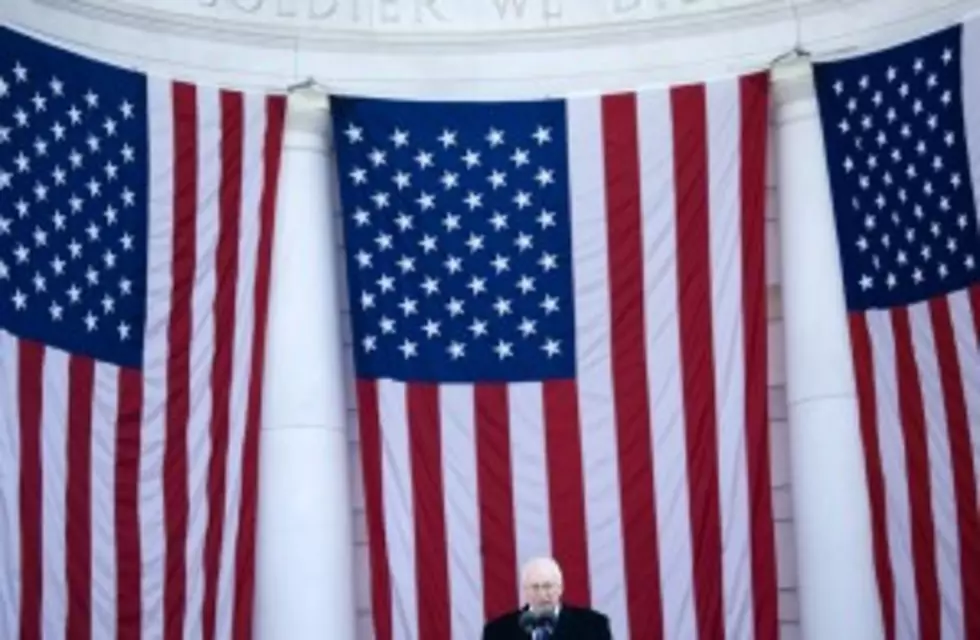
(534, 618)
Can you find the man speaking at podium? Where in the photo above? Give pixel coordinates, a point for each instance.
(544, 616)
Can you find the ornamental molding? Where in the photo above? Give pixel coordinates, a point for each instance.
(793, 86)
(495, 48)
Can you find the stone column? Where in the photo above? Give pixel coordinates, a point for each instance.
(304, 582)
(837, 589)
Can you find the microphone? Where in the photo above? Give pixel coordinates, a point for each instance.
(533, 619)
(528, 621)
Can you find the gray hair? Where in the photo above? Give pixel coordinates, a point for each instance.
(544, 563)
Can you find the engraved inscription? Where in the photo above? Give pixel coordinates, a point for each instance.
(625, 6)
(389, 13)
(430, 10)
(322, 9)
(461, 14)
(287, 8)
(508, 8)
(553, 11)
(248, 6)
(382, 12)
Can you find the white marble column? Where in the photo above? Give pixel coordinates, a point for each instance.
(837, 590)
(304, 582)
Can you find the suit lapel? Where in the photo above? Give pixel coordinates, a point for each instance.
(561, 626)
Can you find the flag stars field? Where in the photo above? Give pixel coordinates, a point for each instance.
(452, 243)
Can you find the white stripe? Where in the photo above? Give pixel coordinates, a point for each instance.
(665, 385)
(593, 361)
(529, 473)
(399, 512)
(968, 351)
(156, 351)
(969, 57)
(54, 485)
(944, 517)
(105, 413)
(891, 442)
(202, 351)
(462, 509)
(253, 173)
(9, 488)
(725, 218)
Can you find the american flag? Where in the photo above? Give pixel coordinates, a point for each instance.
(136, 220)
(559, 322)
(902, 131)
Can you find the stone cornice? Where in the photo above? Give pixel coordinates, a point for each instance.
(215, 45)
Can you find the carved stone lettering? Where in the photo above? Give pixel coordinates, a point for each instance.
(389, 11)
(553, 11)
(249, 6)
(625, 6)
(510, 8)
(464, 14)
(322, 9)
(428, 8)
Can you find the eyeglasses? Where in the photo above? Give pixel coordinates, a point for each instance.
(541, 586)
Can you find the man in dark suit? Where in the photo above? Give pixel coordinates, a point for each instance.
(544, 616)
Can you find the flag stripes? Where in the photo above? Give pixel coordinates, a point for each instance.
(653, 493)
(128, 496)
(915, 327)
(916, 369)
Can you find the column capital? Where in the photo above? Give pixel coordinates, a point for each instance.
(794, 95)
(307, 122)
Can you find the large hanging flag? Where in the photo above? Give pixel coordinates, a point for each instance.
(559, 321)
(902, 131)
(136, 221)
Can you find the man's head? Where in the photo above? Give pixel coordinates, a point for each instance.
(541, 583)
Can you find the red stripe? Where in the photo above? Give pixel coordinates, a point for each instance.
(496, 496)
(566, 487)
(78, 497)
(226, 268)
(128, 556)
(867, 406)
(175, 469)
(30, 395)
(275, 107)
(961, 455)
(629, 372)
(431, 553)
(371, 463)
(697, 352)
(919, 482)
(754, 101)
